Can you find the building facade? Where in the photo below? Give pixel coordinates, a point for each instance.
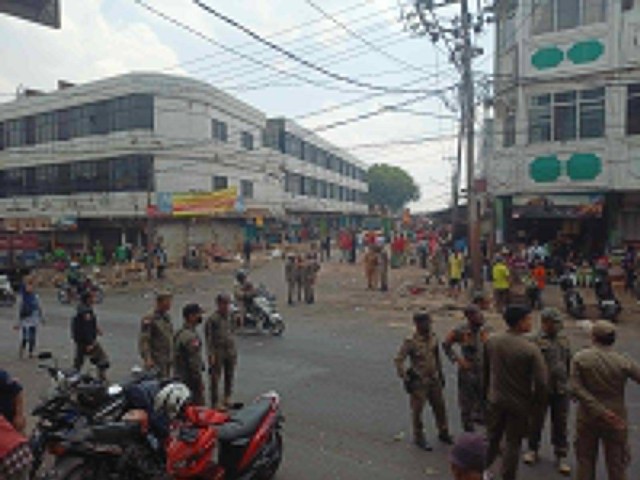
(100, 157)
(567, 145)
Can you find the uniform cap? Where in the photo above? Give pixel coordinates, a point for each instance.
(421, 316)
(469, 452)
(603, 328)
(191, 309)
(551, 314)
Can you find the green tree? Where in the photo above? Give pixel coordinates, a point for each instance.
(391, 187)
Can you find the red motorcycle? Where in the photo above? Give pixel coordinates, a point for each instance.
(244, 444)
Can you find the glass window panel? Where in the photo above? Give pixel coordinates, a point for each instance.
(594, 11)
(568, 14)
(246, 189)
(633, 109)
(564, 122)
(543, 12)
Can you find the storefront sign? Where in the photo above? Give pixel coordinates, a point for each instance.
(558, 206)
(204, 204)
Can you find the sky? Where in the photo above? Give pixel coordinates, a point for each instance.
(366, 41)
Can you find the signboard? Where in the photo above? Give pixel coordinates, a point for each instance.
(195, 204)
(558, 206)
(43, 12)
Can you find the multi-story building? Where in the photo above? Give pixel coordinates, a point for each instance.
(567, 104)
(102, 158)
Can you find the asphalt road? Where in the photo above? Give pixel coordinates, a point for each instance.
(346, 413)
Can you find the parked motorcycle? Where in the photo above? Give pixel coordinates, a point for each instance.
(608, 304)
(7, 295)
(242, 444)
(262, 314)
(573, 301)
(68, 293)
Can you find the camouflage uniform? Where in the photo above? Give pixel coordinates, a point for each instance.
(470, 381)
(424, 356)
(598, 379)
(309, 275)
(221, 348)
(156, 341)
(188, 361)
(299, 276)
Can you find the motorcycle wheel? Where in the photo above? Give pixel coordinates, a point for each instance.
(98, 295)
(269, 472)
(63, 296)
(277, 328)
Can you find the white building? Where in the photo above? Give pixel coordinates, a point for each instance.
(100, 156)
(567, 108)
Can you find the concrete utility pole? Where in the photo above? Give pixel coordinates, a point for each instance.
(458, 37)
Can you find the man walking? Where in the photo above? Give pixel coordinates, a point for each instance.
(471, 337)
(556, 351)
(424, 379)
(155, 342)
(85, 331)
(188, 352)
(515, 378)
(598, 379)
(221, 349)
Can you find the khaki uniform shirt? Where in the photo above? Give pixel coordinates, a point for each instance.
(188, 356)
(598, 379)
(218, 332)
(156, 339)
(557, 356)
(424, 357)
(471, 344)
(514, 372)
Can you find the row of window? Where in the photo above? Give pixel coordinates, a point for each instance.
(558, 15)
(130, 173)
(130, 112)
(220, 131)
(219, 182)
(312, 187)
(570, 115)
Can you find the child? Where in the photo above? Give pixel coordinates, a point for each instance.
(30, 316)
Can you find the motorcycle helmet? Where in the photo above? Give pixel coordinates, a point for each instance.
(241, 276)
(172, 399)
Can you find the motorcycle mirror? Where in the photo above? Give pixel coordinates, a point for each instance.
(45, 356)
(114, 390)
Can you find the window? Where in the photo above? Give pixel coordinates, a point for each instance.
(246, 189)
(15, 134)
(247, 141)
(63, 119)
(557, 15)
(219, 130)
(46, 179)
(627, 5)
(633, 107)
(509, 127)
(322, 188)
(566, 116)
(90, 176)
(46, 128)
(220, 183)
(507, 27)
(131, 173)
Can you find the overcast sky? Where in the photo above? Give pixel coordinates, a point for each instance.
(106, 37)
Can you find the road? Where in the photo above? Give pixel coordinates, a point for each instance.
(346, 413)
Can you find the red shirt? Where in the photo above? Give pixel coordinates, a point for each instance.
(540, 276)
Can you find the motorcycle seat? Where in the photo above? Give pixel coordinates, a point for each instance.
(244, 423)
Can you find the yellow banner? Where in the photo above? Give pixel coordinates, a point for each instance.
(204, 204)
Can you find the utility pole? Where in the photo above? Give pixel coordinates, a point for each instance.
(457, 36)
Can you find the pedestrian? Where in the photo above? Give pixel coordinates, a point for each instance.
(515, 384)
(30, 317)
(188, 353)
(371, 267)
(15, 454)
(299, 270)
(155, 341)
(424, 380)
(383, 266)
(598, 379)
(353, 245)
(85, 332)
(539, 274)
(556, 350)
(221, 350)
(468, 457)
(326, 247)
(456, 269)
(290, 276)
(501, 284)
(471, 337)
(629, 265)
(161, 260)
(246, 250)
(309, 277)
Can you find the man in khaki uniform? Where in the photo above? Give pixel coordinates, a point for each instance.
(188, 352)
(309, 276)
(471, 337)
(155, 341)
(221, 349)
(598, 379)
(424, 379)
(515, 380)
(299, 275)
(556, 350)
(371, 267)
(290, 276)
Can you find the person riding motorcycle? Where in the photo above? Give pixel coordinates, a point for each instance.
(244, 294)
(76, 278)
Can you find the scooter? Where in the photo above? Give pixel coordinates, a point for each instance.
(244, 444)
(609, 306)
(573, 301)
(262, 315)
(68, 293)
(7, 295)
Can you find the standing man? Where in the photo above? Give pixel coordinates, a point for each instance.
(299, 275)
(188, 352)
(556, 351)
(221, 349)
(383, 266)
(424, 379)
(471, 337)
(371, 267)
(501, 284)
(598, 379)
(290, 276)
(456, 269)
(155, 342)
(515, 380)
(85, 331)
(310, 274)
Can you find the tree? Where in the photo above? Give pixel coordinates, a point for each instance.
(391, 187)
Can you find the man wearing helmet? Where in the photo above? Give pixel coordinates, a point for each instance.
(221, 349)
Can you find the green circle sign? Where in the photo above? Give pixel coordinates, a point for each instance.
(545, 169)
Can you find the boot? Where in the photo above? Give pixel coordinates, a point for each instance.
(446, 438)
(531, 457)
(562, 466)
(423, 444)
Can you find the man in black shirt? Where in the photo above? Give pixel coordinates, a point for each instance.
(85, 331)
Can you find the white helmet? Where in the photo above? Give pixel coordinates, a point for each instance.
(172, 399)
